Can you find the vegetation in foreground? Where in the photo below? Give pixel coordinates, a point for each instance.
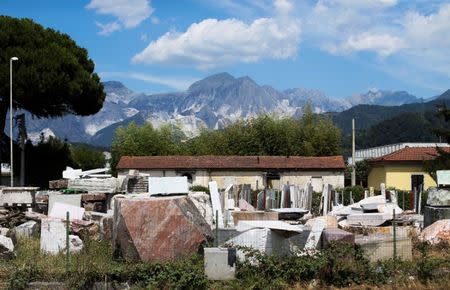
(339, 266)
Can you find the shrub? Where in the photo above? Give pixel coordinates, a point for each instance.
(199, 188)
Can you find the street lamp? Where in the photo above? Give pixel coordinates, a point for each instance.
(11, 119)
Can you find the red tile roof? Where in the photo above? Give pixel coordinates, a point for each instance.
(409, 154)
(230, 162)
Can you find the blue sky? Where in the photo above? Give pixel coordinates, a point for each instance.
(341, 47)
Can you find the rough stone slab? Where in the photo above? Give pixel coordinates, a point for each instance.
(245, 206)
(330, 222)
(215, 201)
(71, 199)
(168, 185)
(220, 263)
(27, 230)
(203, 204)
(438, 197)
(59, 210)
(264, 240)
(369, 219)
(158, 229)
(273, 225)
(432, 214)
(6, 247)
(336, 235)
(254, 215)
(315, 234)
(10, 195)
(437, 232)
(58, 184)
(103, 185)
(53, 235)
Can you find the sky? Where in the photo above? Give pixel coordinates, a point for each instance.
(341, 47)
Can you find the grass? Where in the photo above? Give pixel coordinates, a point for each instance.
(340, 266)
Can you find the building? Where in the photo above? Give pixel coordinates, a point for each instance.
(402, 169)
(375, 152)
(259, 171)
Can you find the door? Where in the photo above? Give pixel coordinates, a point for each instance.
(416, 182)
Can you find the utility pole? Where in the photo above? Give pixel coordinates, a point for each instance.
(353, 154)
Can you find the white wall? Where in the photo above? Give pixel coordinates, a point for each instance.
(255, 178)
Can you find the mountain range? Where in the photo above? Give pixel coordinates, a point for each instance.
(213, 102)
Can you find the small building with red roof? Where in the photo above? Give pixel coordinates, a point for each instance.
(402, 169)
(259, 171)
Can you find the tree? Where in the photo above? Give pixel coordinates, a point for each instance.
(53, 77)
(46, 161)
(87, 158)
(442, 161)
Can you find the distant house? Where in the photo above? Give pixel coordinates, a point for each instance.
(259, 171)
(402, 169)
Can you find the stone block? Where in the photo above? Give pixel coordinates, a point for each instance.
(11, 195)
(220, 263)
(432, 214)
(438, 197)
(368, 219)
(60, 210)
(437, 232)
(53, 235)
(254, 215)
(103, 185)
(330, 222)
(158, 229)
(336, 235)
(168, 185)
(71, 199)
(27, 230)
(6, 247)
(203, 204)
(58, 184)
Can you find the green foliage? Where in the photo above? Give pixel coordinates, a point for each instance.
(145, 140)
(53, 76)
(311, 135)
(199, 188)
(86, 158)
(442, 161)
(95, 263)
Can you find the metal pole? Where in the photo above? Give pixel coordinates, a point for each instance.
(353, 154)
(10, 124)
(67, 241)
(217, 228)
(394, 226)
(11, 113)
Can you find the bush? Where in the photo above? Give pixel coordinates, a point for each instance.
(199, 188)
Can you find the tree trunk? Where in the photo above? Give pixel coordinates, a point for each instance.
(3, 111)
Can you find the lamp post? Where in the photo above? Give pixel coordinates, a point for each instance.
(11, 119)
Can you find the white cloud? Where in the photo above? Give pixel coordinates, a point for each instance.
(382, 44)
(211, 42)
(129, 13)
(177, 83)
(108, 28)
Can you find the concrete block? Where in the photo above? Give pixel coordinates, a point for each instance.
(168, 185)
(432, 214)
(10, 195)
(381, 247)
(220, 263)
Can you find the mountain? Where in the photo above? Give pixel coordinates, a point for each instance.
(369, 115)
(213, 102)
